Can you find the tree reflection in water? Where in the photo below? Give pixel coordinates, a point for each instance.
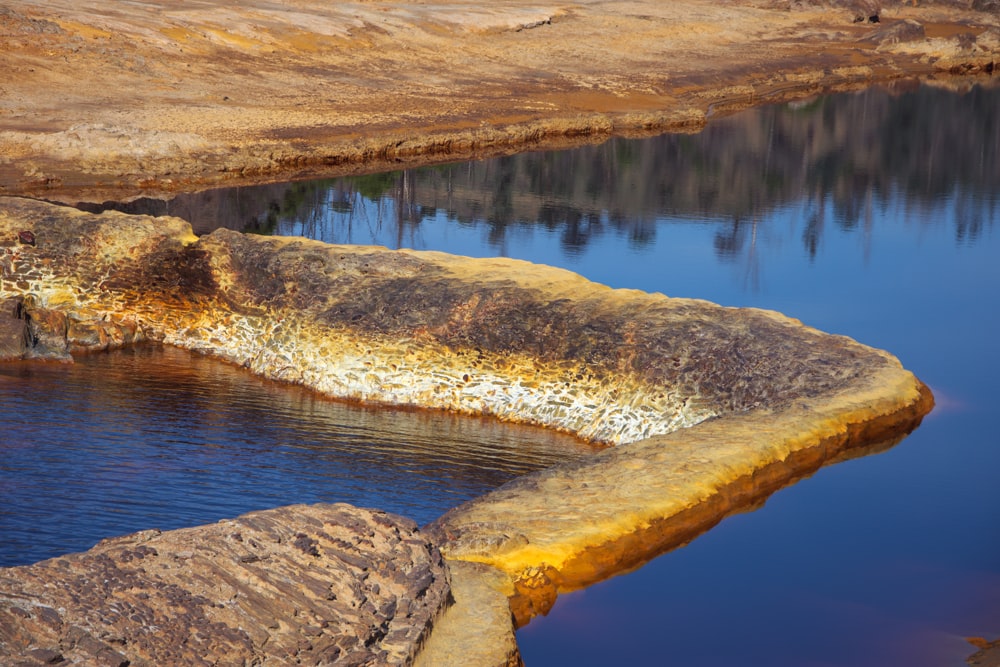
(850, 153)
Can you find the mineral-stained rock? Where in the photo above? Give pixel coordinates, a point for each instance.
(311, 585)
(988, 654)
(713, 408)
(477, 629)
(47, 330)
(516, 340)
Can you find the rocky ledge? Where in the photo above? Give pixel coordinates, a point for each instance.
(307, 585)
(712, 408)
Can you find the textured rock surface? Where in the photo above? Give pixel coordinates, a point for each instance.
(13, 330)
(477, 629)
(154, 95)
(311, 585)
(520, 341)
(720, 406)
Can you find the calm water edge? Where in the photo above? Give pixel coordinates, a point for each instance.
(163, 438)
(872, 215)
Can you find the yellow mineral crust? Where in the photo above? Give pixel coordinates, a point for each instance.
(713, 408)
(572, 525)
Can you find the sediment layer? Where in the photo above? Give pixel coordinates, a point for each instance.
(119, 99)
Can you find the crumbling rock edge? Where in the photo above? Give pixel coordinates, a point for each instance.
(712, 408)
(313, 585)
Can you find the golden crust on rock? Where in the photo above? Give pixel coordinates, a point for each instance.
(714, 407)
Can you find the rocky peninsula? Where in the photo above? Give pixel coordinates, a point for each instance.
(710, 408)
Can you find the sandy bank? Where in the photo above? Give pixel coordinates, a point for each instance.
(107, 99)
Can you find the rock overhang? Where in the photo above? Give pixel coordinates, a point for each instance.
(712, 408)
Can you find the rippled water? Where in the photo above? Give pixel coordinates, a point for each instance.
(163, 438)
(872, 215)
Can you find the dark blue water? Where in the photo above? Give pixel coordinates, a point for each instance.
(164, 438)
(872, 215)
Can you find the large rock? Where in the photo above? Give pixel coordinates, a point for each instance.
(516, 340)
(308, 585)
(712, 408)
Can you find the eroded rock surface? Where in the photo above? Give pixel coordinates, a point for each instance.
(310, 585)
(713, 408)
(516, 340)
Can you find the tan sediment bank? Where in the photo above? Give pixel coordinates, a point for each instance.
(107, 100)
(712, 408)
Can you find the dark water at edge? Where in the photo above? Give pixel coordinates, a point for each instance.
(162, 438)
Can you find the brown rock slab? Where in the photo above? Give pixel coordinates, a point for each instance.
(712, 408)
(13, 330)
(311, 585)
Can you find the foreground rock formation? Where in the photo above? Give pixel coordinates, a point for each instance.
(988, 654)
(712, 408)
(149, 96)
(308, 585)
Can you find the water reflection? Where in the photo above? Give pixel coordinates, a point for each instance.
(165, 438)
(843, 157)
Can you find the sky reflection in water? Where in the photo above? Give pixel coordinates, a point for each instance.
(870, 215)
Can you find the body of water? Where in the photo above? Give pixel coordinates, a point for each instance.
(163, 438)
(872, 215)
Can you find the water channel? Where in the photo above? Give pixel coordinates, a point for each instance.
(870, 214)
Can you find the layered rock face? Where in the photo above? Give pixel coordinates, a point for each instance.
(308, 585)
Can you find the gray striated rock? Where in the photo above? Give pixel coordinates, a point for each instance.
(311, 585)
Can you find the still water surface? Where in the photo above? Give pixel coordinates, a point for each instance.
(872, 215)
(163, 438)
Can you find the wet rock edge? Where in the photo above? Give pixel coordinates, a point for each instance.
(176, 273)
